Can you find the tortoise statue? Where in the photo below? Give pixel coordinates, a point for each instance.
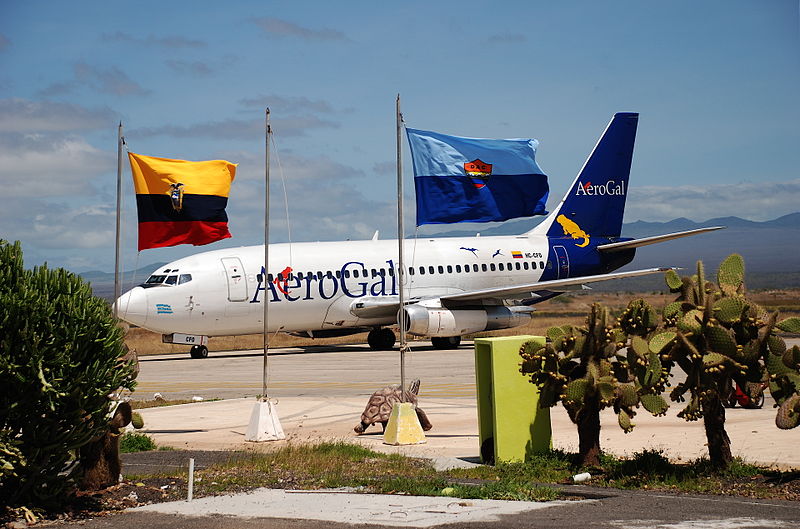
(379, 407)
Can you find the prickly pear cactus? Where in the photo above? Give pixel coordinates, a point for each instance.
(717, 336)
(585, 369)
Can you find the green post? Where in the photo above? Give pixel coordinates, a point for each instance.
(511, 426)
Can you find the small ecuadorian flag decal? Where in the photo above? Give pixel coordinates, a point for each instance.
(181, 202)
(516, 255)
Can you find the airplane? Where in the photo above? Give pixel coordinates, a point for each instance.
(454, 286)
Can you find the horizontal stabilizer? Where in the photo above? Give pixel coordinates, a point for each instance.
(556, 285)
(636, 243)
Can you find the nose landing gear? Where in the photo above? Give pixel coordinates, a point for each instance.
(199, 351)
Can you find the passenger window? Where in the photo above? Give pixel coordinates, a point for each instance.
(338, 274)
(171, 280)
(391, 272)
(474, 268)
(329, 274)
(500, 267)
(549, 265)
(541, 265)
(510, 266)
(518, 266)
(441, 269)
(422, 270)
(355, 273)
(449, 269)
(411, 270)
(533, 265)
(319, 274)
(466, 269)
(458, 269)
(184, 278)
(270, 278)
(483, 267)
(525, 265)
(431, 270)
(492, 267)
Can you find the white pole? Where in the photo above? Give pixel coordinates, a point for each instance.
(266, 256)
(191, 480)
(401, 270)
(117, 283)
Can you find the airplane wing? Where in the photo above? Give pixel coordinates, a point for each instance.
(387, 306)
(644, 241)
(555, 285)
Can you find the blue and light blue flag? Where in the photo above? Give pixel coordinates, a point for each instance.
(475, 179)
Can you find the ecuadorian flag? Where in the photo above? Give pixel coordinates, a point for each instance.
(181, 202)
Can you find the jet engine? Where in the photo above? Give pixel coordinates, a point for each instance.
(428, 321)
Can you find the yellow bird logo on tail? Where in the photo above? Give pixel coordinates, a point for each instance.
(572, 229)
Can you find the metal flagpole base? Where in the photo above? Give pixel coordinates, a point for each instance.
(264, 423)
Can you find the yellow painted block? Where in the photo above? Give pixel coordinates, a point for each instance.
(403, 427)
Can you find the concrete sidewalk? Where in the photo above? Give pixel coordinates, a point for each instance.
(221, 425)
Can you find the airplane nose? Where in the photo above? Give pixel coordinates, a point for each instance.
(133, 306)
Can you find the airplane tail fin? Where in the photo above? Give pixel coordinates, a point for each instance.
(595, 203)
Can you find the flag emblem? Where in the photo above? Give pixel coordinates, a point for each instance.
(516, 255)
(480, 172)
(163, 308)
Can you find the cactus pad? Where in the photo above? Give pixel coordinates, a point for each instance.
(691, 322)
(720, 340)
(627, 395)
(788, 416)
(661, 341)
(789, 325)
(624, 421)
(729, 310)
(576, 391)
(730, 274)
(655, 404)
(673, 280)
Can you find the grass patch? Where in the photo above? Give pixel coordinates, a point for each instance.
(143, 404)
(135, 442)
(335, 465)
(344, 465)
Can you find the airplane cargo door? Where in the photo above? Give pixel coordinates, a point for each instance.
(237, 282)
(562, 264)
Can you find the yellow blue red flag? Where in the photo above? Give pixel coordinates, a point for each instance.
(181, 202)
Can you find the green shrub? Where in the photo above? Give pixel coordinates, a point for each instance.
(60, 351)
(136, 442)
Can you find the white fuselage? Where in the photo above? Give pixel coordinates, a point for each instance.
(225, 292)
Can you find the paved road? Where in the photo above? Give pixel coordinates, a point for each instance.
(346, 371)
(604, 509)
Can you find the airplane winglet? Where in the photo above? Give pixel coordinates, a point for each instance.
(645, 241)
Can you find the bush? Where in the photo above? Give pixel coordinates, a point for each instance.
(60, 351)
(136, 442)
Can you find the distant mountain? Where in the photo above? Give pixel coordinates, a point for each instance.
(103, 282)
(771, 249)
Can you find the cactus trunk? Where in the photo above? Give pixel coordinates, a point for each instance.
(588, 420)
(719, 444)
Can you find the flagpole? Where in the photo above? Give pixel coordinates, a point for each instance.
(401, 270)
(117, 285)
(266, 255)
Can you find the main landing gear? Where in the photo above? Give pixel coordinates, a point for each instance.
(448, 342)
(381, 339)
(199, 351)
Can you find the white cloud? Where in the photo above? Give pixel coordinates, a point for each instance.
(39, 165)
(56, 226)
(23, 115)
(749, 200)
(108, 81)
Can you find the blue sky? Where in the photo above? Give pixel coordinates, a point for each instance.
(716, 84)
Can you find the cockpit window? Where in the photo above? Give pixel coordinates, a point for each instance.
(155, 280)
(171, 280)
(184, 278)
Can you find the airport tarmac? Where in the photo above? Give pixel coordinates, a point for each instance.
(321, 392)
